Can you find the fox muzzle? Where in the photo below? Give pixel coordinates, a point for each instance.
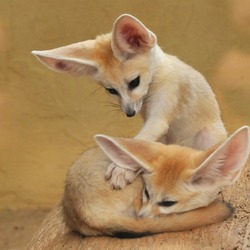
(130, 113)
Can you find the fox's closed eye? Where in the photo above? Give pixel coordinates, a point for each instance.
(166, 203)
(146, 193)
(112, 91)
(134, 83)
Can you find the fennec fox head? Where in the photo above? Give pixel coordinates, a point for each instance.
(122, 61)
(179, 179)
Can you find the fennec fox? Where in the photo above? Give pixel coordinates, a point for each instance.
(174, 180)
(176, 103)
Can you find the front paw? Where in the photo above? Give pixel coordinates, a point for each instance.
(119, 178)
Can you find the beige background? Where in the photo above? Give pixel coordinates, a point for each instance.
(48, 119)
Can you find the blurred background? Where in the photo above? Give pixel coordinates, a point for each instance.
(48, 119)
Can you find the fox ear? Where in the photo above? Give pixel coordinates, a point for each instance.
(132, 154)
(223, 166)
(74, 59)
(130, 36)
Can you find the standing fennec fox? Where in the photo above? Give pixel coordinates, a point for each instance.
(176, 102)
(174, 180)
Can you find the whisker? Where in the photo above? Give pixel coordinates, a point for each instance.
(114, 111)
(114, 107)
(98, 88)
(111, 104)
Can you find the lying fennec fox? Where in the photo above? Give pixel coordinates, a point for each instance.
(174, 180)
(176, 102)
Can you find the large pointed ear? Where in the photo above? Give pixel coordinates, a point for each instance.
(223, 166)
(74, 59)
(130, 37)
(136, 155)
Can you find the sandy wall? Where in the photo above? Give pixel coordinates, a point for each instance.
(48, 119)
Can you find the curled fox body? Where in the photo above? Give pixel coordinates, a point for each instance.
(176, 103)
(175, 190)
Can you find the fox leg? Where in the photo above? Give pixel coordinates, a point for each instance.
(119, 177)
(153, 130)
(208, 137)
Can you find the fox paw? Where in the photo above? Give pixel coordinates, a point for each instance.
(119, 178)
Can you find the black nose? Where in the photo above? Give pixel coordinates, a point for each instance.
(130, 113)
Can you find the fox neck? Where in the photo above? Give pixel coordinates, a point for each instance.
(159, 57)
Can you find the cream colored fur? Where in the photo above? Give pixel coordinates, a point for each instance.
(176, 102)
(189, 177)
(174, 179)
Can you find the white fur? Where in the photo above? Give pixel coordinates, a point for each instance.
(176, 103)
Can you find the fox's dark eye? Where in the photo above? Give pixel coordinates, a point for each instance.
(166, 203)
(146, 193)
(134, 83)
(112, 91)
